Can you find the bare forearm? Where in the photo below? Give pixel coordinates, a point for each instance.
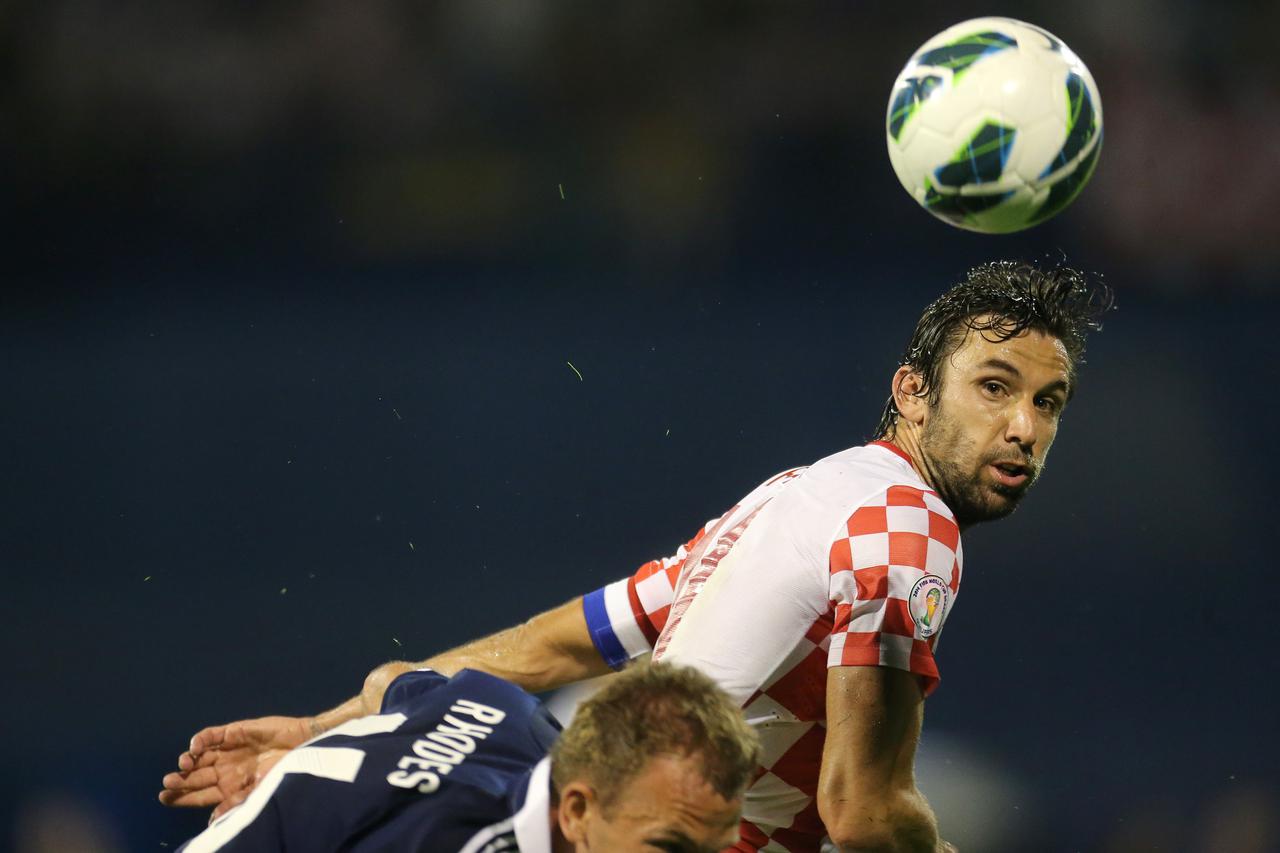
(550, 650)
(867, 796)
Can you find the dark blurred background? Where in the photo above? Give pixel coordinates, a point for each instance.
(296, 297)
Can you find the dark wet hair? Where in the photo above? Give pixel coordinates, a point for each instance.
(1000, 300)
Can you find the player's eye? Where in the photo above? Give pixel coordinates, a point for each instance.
(1048, 405)
(993, 389)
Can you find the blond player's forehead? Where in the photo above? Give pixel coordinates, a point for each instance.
(670, 794)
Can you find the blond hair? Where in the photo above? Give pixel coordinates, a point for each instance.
(654, 709)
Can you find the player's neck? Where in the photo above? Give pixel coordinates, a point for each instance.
(907, 440)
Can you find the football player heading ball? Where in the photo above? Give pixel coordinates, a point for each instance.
(817, 600)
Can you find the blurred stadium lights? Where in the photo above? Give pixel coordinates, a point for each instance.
(448, 129)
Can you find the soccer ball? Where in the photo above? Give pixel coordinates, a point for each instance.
(994, 125)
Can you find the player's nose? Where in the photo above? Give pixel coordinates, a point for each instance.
(1021, 427)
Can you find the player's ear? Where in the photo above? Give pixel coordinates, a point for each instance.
(908, 383)
(573, 813)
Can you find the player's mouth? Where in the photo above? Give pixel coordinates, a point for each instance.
(1010, 474)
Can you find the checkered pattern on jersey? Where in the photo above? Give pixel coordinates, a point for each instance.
(651, 589)
(788, 713)
(892, 542)
(889, 543)
(626, 617)
(886, 545)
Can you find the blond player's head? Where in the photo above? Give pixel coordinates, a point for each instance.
(658, 759)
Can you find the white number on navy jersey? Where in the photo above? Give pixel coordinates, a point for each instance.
(339, 763)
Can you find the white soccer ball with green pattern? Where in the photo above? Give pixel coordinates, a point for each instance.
(994, 125)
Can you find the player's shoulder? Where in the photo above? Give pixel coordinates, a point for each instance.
(875, 474)
(910, 496)
(883, 492)
(412, 689)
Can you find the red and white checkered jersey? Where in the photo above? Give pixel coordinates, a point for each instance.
(852, 561)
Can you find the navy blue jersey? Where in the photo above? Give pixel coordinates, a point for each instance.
(446, 761)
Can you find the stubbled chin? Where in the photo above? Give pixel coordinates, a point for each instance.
(1000, 500)
(1006, 497)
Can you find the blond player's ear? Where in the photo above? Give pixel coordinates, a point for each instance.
(908, 384)
(573, 812)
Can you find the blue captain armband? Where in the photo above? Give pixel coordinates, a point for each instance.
(601, 629)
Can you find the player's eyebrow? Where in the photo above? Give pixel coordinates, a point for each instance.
(1056, 385)
(1001, 364)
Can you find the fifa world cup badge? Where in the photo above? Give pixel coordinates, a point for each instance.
(928, 605)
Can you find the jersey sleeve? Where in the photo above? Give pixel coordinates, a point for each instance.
(626, 616)
(894, 575)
